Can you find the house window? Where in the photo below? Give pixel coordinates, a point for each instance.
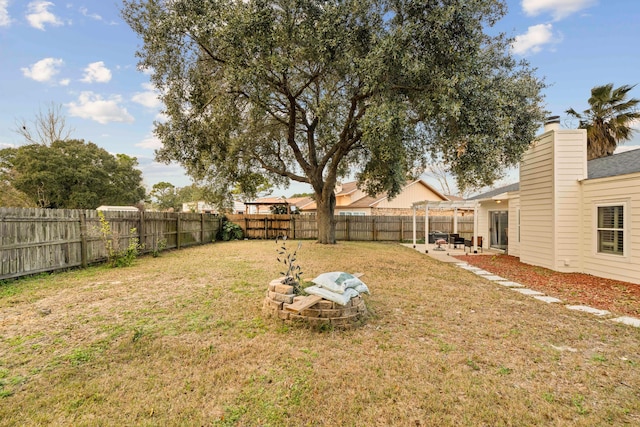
(610, 229)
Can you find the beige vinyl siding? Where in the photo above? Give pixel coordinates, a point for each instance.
(536, 203)
(411, 194)
(513, 247)
(570, 166)
(624, 190)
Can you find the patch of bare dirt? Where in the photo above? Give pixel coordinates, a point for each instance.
(573, 288)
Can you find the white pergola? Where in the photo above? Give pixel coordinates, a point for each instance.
(466, 205)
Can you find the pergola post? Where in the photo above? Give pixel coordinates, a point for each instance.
(426, 228)
(414, 227)
(475, 229)
(455, 220)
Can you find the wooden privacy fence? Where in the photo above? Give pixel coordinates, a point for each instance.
(39, 240)
(362, 228)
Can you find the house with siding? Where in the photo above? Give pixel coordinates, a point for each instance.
(350, 200)
(566, 213)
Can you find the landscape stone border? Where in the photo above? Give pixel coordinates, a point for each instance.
(626, 320)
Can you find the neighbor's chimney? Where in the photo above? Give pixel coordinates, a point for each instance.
(552, 123)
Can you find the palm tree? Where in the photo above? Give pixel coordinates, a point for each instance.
(609, 119)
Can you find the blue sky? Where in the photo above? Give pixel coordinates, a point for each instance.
(81, 55)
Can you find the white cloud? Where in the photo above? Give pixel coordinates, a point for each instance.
(96, 72)
(39, 15)
(625, 148)
(84, 11)
(145, 71)
(6, 145)
(559, 9)
(43, 70)
(64, 82)
(92, 106)
(154, 172)
(148, 98)
(535, 37)
(5, 19)
(151, 142)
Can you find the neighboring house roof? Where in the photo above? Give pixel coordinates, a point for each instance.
(618, 164)
(347, 188)
(364, 202)
(368, 201)
(117, 208)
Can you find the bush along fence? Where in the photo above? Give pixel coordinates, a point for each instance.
(356, 228)
(40, 240)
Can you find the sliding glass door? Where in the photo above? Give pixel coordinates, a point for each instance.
(499, 229)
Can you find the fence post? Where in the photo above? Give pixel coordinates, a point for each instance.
(142, 240)
(401, 230)
(178, 232)
(83, 239)
(347, 228)
(202, 228)
(373, 228)
(266, 228)
(293, 226)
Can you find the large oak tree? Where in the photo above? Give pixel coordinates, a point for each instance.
(313, 91)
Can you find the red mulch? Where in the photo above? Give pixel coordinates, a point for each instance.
(573, 288)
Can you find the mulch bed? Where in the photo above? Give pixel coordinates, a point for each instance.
(573, 288)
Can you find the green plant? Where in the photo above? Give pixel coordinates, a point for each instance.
(160, 246)
(230, 231)
(117, 257)
(292, 272)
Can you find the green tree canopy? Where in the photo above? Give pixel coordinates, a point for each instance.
(72, 174)
(164, 196)
(313, 91)
(608, 119)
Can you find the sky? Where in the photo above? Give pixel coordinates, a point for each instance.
(80, 55)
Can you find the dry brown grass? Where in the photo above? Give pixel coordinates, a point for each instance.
(180, 340)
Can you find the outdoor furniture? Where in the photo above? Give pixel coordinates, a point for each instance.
(455, 239)
(435, 235)
(469, 244)
(439, 244)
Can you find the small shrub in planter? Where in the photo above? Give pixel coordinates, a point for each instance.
(292, 272)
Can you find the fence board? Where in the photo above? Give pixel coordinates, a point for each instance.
(39, 240)
(356, 228)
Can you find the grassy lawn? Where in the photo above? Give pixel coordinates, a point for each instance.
(181, 340)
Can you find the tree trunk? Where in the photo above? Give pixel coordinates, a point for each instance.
(326, 224)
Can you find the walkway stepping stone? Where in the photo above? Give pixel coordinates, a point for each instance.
(483, 273)
(588, 309)
(495, 278)
(547, 299)
(509, 284)
(631, 321)
(526, 291)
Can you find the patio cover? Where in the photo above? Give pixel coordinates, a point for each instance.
(467, 205)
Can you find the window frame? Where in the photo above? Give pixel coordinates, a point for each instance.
(624, 229)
